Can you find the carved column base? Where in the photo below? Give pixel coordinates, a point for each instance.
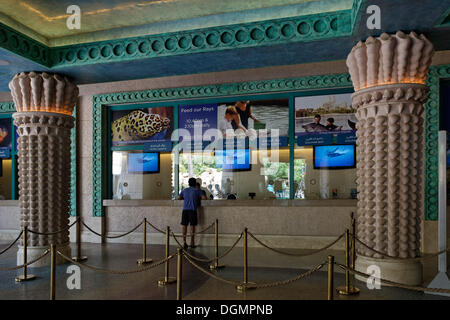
(35, 252)
(405, 272)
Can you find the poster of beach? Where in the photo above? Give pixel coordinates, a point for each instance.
(325, 113)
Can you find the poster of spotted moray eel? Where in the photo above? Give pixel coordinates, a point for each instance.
(139, 126)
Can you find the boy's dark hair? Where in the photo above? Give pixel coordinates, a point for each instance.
(318, 116)
(192, 182)
(330, 120)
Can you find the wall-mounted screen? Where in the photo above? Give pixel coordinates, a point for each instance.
(233, 159)
(143, 162)
(334, 157)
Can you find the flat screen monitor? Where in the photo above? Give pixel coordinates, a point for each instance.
(144, 163)
(334, 157)
(233, 159)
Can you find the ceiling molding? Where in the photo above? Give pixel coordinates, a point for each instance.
(253, 34)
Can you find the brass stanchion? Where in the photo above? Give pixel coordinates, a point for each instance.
(245, 285)
(167, 279)
(353, 250)
(330, 277)
(179, 273)
(52, 271)
(144, 259)
(25, 276)
(79, 257)
(216, 264)
(347, 289)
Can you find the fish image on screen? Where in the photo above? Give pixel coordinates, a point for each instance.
(233, 160)
(143, 162)
(334, 157)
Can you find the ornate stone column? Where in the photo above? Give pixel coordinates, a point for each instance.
(388, 74)
(44, 104)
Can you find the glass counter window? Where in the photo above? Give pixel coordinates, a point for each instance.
(141, 175)
(7, 159)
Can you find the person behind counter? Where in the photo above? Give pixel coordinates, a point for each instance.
(191, 197)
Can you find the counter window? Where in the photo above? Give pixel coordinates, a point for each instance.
(7, 158)
(279, 146)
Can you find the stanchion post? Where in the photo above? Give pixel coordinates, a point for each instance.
(330, 277)
(25, 276)
(353, 231)
(144, 259)
(79, 257)
(167, 279)
(52, 271)
(245, 285)
(216, 264)
(348, 289)
(179, 273)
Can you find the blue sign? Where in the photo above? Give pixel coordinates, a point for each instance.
(163, 146)
(205, 114)
(4, 152)
(347, 138)
(315, 139)
(326, 138)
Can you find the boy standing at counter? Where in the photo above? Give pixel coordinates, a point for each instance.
(191, 197)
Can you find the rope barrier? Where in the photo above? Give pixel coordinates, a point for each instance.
(213, 259)
(157, 229)
(26, 264)
(296, 254)
(296, 278)
(206, 229)
(9, 247)
(261, 285)
(122, 272)
(56, 232)
(199, 232)
(112, 237)
(231, 282)
(431, 255)
(392, 283)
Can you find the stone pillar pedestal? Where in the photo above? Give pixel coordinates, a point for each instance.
(388, 74)
(44, 181)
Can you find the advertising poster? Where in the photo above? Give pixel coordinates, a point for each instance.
(205, 115)
(5, 137)
(240, 119)
(141, 126)
(325, 119)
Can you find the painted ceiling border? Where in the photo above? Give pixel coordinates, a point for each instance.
(253, 34)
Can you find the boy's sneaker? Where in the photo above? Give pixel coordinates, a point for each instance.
(185, 246)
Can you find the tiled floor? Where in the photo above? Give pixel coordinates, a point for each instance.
(265, 266)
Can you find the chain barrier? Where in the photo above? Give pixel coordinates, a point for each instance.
(122, 272)
(112, 237)
(392, 283)
(296, 254)
(431, 255)
(9, 247)
(55, 232)
(213, 259)
(231, 282)
(28, 263)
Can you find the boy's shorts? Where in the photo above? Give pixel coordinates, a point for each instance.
(189, 217)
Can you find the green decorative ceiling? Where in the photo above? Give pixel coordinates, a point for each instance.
(124, 40)
(45, 20)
